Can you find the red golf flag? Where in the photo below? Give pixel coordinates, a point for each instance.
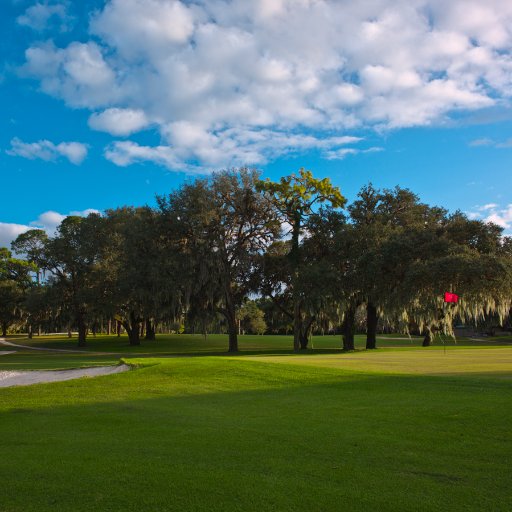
(451, 297)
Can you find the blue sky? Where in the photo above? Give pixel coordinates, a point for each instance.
(106, 103)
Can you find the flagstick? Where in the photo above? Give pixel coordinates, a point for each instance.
(444, 318)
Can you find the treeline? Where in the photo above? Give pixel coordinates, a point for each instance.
(239, 253)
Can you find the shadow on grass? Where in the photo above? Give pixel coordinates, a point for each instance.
(211, 435)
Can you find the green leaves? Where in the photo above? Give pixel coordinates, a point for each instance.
(298, 193)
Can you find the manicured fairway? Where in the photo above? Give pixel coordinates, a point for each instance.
(496, 362)
(263, 433)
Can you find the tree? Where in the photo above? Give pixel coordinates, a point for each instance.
(468, 257)
(252, 318)
(295, 197)
(141, 270)
(73, 258)
(376, 217)
(15, 281)
(226, 226)
(31, 244)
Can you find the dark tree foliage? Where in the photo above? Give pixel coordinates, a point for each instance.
(234, 253)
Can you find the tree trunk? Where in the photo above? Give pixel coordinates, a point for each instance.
(133, 329)
(305, 332)
(82, 330)
(150, 330)
(428, 337)
(372, 320)
(349, 327)
(232, 329)
(30, 331)
(297, 325)
(295, 260)
(133, 334)
(70, 334)
(118, 325)
(304, 340)
(109, 326)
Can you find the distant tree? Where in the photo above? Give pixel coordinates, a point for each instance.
(73, 257)
(15, 281)
(31, 244)
(252, 318)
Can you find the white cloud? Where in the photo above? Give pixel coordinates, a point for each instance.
(75, 152)
(209, 75)
(225, 148)
(78, 73)
(502, 217)
(340, 154)
(49, 221)
(495, 213)
(119, 121)
(485, 141)
(8, 232)
(154, 26)
(43, 15)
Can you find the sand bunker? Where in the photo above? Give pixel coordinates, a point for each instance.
(25, 378)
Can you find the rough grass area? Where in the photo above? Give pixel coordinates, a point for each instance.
(235, 434)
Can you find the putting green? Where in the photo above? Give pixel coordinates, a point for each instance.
(495, 362)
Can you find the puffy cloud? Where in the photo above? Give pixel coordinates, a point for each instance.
(49, 221)
(155, 26)
(210, 74)
(8, 232)
(43, 15)
(78, 73)
(119, 121)
(502, 217)
(495, 213)
(230, 147)
(126, 152)
(75, 152)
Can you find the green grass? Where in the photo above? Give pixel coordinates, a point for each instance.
(217, 343)
(389, 430)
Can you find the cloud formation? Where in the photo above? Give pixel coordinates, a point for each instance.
(9, 232)
(495, 213)
(44, 15)
(487, 142)
(75, 152)
(119, 121)
(211, 75)
(49, 221)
